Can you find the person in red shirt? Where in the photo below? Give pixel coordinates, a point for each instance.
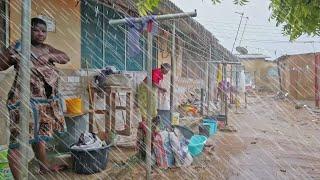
(142, 93)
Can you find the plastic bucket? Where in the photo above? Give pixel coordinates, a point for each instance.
(5, 172)
(221, 120)
(196, 144)
(74, 105)
(204, 130)
(90, 161)
(213, 125)
(175, 119)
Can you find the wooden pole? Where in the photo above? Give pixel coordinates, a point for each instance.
(24, 81)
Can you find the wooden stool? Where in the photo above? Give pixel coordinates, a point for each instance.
(110, 94)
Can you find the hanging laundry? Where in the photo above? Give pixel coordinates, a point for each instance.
(134, 33)
(219, 74)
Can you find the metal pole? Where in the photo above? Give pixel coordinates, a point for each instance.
(236, 90)
(231, 76)
(208, 82)
(149, 110)
(158, 17)
(24, 81)
(245, 25)
(225, 93)
(220, 62)
(316, 82)
(237, 32)
(173, 69)
(231, 79)
(202, 99)
(279, 75)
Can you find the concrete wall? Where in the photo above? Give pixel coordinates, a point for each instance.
(297, 76)
(67, 36)
(258, 70)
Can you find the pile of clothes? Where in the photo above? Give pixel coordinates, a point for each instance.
(88, 141)
(169, 148)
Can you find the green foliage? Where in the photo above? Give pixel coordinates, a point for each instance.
(237, 2)
(145, 6)
(297, 16)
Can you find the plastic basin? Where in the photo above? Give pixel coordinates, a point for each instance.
(90, 161)
(196, 144)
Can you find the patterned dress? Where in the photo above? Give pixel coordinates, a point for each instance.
(47, 116)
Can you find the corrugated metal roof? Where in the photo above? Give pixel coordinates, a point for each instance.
(252, 56)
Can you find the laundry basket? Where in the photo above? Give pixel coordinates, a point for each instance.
(90, 161)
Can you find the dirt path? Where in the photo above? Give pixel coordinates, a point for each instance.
(273, 141)
(281, 142)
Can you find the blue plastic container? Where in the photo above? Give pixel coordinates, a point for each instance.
(213, 125)
(196, 144)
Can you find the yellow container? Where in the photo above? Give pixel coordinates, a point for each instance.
(175, 118)
(74, 105)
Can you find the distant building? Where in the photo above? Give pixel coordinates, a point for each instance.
(297, 74)
(260, 73)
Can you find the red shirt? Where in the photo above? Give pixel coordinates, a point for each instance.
(157, 76)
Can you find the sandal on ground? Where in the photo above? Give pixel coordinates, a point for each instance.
(54, 168)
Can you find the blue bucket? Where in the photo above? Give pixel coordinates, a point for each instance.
(213, 125)
(196, 144)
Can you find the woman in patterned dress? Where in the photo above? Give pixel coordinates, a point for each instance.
(47, 116)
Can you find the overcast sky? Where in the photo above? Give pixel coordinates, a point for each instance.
(260, 36)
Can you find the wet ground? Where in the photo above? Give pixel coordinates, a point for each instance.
(274, 140)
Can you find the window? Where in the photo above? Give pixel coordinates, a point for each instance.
(273, 72)
(105, 45)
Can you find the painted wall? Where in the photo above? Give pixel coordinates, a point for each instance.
(67, 17)
(297, 76)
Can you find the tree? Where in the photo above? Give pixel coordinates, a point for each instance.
(297, 17)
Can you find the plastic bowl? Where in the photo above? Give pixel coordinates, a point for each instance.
(196, 144)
